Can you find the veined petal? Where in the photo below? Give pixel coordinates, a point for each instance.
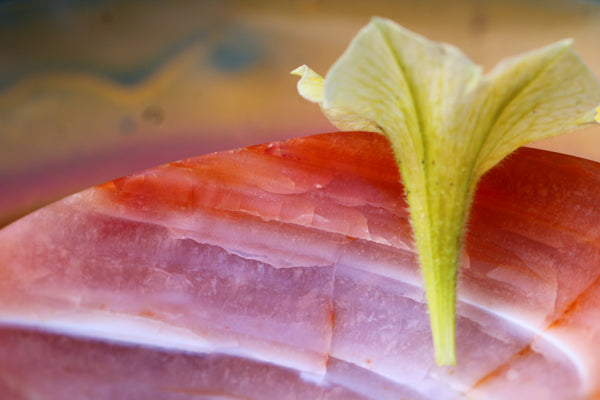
(537, 95)
(448, 125)
(405, 83)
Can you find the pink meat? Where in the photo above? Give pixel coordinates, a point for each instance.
(287, 271)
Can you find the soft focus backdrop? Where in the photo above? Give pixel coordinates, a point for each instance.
(93, 90)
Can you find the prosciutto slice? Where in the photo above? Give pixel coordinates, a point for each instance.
(287, 271)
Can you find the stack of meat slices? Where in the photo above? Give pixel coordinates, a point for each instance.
(287, 271)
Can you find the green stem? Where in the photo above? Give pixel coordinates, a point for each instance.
(440, 286)
(439, 206)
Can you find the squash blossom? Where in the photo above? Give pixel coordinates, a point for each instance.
(448, 124)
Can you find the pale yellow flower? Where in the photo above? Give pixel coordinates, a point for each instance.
(448, 124)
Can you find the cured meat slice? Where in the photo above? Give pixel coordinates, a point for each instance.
(287, 270)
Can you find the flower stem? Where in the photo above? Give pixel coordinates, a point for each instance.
(439, 203)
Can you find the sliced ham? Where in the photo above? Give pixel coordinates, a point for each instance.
(287, 271)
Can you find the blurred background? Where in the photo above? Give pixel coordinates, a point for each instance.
(93, 90)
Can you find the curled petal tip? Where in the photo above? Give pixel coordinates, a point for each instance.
(310, 85)
(299, 71)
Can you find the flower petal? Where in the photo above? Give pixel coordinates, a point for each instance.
(405, 83)
(448, 125)
(410, 86)
(537, 95)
